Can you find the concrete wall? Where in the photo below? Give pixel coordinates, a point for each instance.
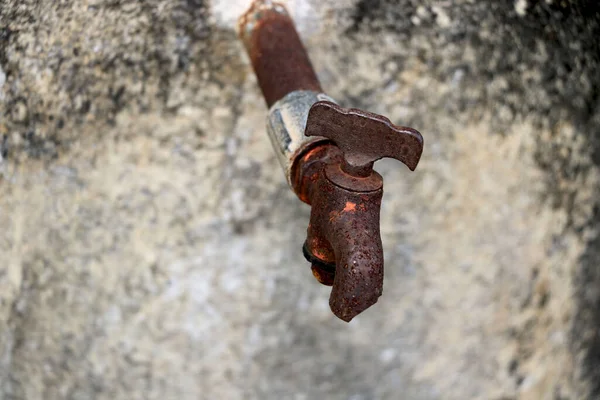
(150, 248)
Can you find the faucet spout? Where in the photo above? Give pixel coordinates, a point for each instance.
(343, 238)
(349, 222)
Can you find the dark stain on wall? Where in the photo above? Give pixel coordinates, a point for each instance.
(91, 86)
(547, 57)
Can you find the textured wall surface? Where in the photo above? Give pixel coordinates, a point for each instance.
(150, 248)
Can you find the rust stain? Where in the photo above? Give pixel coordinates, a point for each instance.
(320, 253)
(324, 276)
(350, 207)
(334, 215)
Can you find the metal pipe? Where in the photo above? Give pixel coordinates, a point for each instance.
(286, 77)
(278, 57)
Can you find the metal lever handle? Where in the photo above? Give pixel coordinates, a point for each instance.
(364, 137)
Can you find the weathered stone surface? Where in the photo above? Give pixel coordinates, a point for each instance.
(150, 247)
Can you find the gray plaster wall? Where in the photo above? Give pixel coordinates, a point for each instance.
(150, 248)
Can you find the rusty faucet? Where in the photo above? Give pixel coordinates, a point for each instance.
(327, 153)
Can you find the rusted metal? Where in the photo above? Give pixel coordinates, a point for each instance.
(286, 123)
(323, 272)
(364, 137)
(331, 166)
(276, 51)
(344, 228)
(338, 180)
(309, 168)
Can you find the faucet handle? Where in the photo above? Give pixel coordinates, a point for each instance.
(364, 137)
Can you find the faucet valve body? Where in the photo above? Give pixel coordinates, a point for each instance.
(343, 241)
(327, 153)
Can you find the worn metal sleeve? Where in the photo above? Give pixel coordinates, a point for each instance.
(286, 124)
